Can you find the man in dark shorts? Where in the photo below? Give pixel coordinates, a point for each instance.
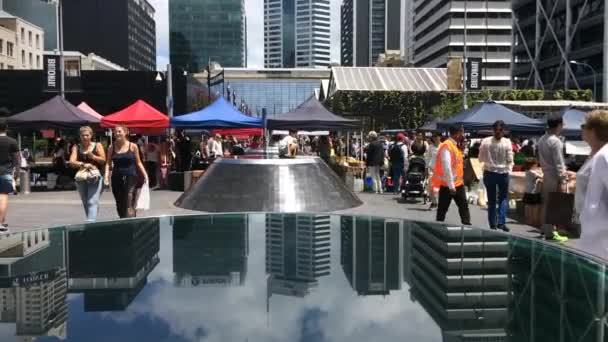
(10, 160)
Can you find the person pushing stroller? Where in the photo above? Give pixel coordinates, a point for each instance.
(398, 156)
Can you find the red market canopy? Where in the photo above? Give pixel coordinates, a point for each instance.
(138, 115)
(83, 106)
(240, 133)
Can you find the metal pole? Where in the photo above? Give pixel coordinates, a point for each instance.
(465, 104)
(61, 60)
(513, 40)
(537, 43)
(567, 48)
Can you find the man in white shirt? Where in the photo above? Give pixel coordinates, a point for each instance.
(215, 146)
(288, 146)
(496, 153)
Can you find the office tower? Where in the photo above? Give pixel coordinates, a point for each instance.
(370, 28)
(110, 263)
(460, 276)
(210, 251)
(296, 33)
(297, 252)
(207, 30)
(438, 33)
(42, 13)
(122, 31)
(372, 254)
(542, 53)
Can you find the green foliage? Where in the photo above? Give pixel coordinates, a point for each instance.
(573, 95)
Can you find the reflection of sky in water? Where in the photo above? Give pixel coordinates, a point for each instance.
(331, 312)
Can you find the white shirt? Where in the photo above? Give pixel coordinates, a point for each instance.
(496, 155)
(446, 160)
(431, 156)
(594, 231)
(215, 148)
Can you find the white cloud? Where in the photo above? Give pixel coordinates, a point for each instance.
(254, 10)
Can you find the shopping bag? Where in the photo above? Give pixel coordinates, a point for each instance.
(560, 208)
(143, 200)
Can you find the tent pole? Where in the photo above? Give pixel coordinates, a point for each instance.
(361, 145)
(347, 144)
(19, 141)
(34, 146)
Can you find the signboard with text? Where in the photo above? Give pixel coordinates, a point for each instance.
(474, 73)
(52, 78)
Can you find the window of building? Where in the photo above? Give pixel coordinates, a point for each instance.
(1, 66)
(10, 49)
(38, 67)
(38, 41)
(31, 60)
(22, 35)
(29, 36)
(23, 57)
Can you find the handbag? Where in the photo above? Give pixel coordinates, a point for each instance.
(143, 200)
(560, 208)
(87, 175)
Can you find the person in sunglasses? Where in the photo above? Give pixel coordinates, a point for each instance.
(496, 154)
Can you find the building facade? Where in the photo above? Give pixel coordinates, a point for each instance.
(21, 43)
(42, 13)
(123, 32)
(297, 252)
(90, 62)
(276, 90)
(550, 54)
(370, 28)
(297, 33)
(439, 34)
(207, 30)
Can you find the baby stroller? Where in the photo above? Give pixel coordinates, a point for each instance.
(414, 183)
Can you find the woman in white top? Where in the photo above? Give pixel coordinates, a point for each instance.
(214, 145)
(592, 183)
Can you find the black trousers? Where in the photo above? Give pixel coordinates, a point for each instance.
(151, 168)
(460, 197)
(123, 188)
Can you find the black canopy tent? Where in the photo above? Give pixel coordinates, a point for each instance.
(311, 116)
(55, 113)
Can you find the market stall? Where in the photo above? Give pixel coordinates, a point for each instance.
(140, 118)
(219, 114)
(56, 113)
(573, 119)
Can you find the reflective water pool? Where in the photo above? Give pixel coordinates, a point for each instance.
(287, 277)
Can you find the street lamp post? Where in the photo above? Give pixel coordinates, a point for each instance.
(594, 76)
(60, 47)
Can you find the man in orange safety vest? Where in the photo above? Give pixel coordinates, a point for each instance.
(448, 176)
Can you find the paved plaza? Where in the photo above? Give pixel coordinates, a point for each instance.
(45, 209)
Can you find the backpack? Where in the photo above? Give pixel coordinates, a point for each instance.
(396, 154)
(418, 149)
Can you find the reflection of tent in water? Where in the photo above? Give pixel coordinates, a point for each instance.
(210, 251)
(372, 254)
(464, 287)
(110, 262)
(298, 250)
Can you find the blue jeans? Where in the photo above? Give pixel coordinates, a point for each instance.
(396, 173)
(499, 181)
(90, 192)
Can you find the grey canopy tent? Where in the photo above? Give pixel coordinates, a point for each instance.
(311, 116)
(573, 119)
(55, 113)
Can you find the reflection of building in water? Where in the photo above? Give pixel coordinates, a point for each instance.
(110, 262)
(297, 252)
(372, 254)
(460, 277)
(210, 251)
(33, 283)
(558, 295)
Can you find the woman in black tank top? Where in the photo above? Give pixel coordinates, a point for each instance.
(122, 167)
(89, 155)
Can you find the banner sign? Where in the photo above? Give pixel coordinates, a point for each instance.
(52, 78)
(474, 71)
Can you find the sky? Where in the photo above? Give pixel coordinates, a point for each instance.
(255, 32)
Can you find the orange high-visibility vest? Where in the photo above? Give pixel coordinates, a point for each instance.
(457, 158)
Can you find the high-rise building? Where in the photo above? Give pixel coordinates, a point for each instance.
(122, 31)
(439, 30)
(21, 43)
(542, 51)
(297, 33)
(42, 13)
(207, 30)
(297, 252)
(372, 254)
(370, 28)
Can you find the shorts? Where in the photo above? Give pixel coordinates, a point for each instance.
(6, 184)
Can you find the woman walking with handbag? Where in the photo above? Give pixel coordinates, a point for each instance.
(88, 158)
(122, 166)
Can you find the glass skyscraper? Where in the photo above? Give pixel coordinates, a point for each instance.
(204, 30)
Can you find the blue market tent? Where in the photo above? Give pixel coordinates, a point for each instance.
(311, 115)
(219, 114)
(482, 116)
(573, 119)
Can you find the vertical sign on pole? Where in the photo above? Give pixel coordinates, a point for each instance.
(474, 72)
